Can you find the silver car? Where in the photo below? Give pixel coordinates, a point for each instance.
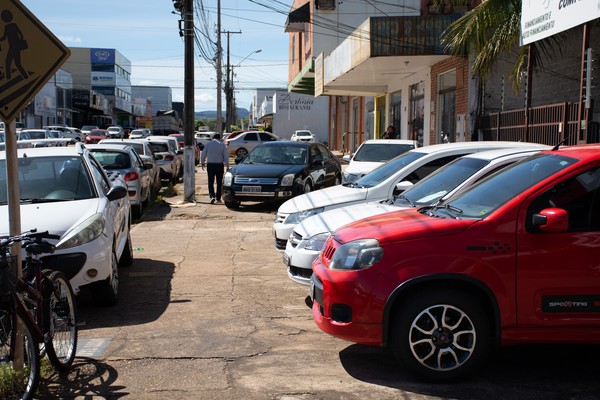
(166, 160)
(122, 159)
(143, 149)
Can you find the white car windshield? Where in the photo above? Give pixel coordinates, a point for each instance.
(490, 194)
(380, 152)
(47, 179)
(440, 183)
(388, 169)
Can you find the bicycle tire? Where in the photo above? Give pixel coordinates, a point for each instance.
(15, 385)
(60, 312)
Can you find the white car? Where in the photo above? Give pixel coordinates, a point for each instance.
(371, 154)
(308, 237)
(68, 132)
(141, 133)
(303, 136)
(116, 132)
(169, 156)
(65, 191)
(382, 183)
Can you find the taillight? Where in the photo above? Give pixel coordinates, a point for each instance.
(169, 157)
(131, 176)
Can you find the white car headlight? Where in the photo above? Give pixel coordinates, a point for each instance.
(287, 180)
(356, 255)
(317, 241)
(227, 179)
(350, 178)
(83, 233)
(297, 217)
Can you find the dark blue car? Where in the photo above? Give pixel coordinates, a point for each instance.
(277, 171)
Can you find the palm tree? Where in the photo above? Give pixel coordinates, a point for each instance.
(493, 29)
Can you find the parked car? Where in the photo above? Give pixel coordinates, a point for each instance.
(512, 260)
(382, 183)
(95, 136)
(116, 132)
(240, 145)
(202, 138)
(309, 236)
(20, 144)
(141, 133)
(181, 139)
(371, 154)
(43, 137)
(143, 149)
(122, 159)
(176, 149)
(279, 170)
(303, 136)
(68, 132)
(66, 191)
(166, 160)
(86, 129)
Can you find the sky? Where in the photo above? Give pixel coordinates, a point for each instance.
(147, 33)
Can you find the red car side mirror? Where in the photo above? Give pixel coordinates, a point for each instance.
(552, 220)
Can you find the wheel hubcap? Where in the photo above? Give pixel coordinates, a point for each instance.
(442, 337)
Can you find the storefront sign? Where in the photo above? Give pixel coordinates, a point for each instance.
(543, 18)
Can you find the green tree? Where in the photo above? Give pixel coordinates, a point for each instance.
(491, 30)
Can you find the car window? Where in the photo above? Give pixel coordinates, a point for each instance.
(99, 175)
(265, 137)
(250, 136)
(324, 153)
(52, 178)
(137, 158)
(579, 196)
(430, 167)
(485, 197)
(37, 134)
(380, 152)
(112, 159)
(388, 169)
(159, 147)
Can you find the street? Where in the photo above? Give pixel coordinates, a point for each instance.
(207, 312)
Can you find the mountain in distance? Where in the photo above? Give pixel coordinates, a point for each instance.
(241, 113)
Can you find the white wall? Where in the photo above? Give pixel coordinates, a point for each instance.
(293, 111)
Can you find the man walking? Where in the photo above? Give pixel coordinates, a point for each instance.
(215, 158)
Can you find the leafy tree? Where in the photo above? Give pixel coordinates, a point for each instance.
(491, 30)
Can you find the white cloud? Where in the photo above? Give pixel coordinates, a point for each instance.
(70, 39)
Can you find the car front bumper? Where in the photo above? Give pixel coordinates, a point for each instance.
(298, 262)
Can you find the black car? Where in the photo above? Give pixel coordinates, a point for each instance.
(277, 171)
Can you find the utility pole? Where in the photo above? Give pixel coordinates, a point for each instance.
(219, 126)
(186, 9)
(229, 87)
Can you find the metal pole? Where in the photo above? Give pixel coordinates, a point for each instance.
(189, 112)
(582, 114)
(219, 126)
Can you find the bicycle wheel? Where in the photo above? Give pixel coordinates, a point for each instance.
(17, 382)
(61, 314)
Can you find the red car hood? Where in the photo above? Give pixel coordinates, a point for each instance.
(406, 224)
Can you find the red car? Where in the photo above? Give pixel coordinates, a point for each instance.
(181, 139)
(515, 259)
(95, 136)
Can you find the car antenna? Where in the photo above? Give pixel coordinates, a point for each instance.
(562, 142)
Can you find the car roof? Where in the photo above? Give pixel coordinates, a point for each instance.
(457, 146)
(490, 155)
(583, 152)
(46, 151)
(108, 146)
(288, 143)
(124, 141)
(390, 141)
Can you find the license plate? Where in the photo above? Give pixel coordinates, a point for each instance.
(251, 189)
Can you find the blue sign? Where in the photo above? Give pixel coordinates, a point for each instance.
(102, 56)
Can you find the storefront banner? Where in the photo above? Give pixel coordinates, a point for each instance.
(543, 18)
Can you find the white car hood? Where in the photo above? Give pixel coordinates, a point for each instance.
(330, 196)
(56, 217)
(361, 167)
(332, 220)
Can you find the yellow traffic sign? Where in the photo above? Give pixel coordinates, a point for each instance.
(29, 56)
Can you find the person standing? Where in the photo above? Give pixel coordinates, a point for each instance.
(390, 132)
(216, 159)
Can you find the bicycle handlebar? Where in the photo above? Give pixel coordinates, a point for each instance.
(33, 235)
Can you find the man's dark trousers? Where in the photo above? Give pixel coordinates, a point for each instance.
(215, 172)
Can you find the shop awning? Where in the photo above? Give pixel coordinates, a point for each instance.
(298, 19)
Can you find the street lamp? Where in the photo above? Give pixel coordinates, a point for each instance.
(232, 112)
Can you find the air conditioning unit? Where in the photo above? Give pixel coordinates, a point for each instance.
(325, 4)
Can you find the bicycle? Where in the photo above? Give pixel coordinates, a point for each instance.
(43, 302)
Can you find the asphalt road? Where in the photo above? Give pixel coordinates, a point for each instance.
(208, 312)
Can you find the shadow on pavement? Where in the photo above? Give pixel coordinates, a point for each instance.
(145, 291)
(516, 373)
(87, 378)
